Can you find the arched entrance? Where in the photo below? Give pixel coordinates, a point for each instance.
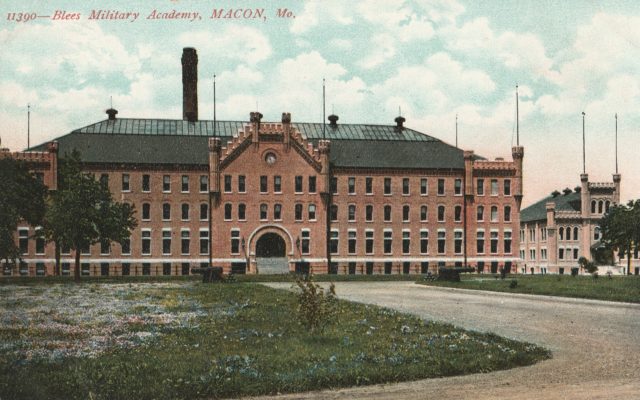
(270, 245)
(271, 257)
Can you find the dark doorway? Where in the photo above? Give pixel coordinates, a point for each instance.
(270, 245)
(303, 267)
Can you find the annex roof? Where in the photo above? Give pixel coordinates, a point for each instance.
(162, 141)
(538, 210)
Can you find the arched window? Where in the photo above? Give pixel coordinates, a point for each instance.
(227, 211)
(457, 213)
(480, 213)
(600, 204)
(423, 213)
(593, 206)
(561, 233)
(298, 212)
(568, 233)
(494, 213)
(387, 213)
(242, 211)
(441, 211)
(507, 213)
(264, 210)
(575, 233)
(405, 213)
(312, 212)
(606, 206)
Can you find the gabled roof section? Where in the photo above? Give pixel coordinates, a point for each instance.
(310, 131)
(162, 141)
(563, 202)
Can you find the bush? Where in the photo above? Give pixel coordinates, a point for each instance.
(316, 307)
(513, 284)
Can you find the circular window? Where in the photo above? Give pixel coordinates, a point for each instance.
(270, 158)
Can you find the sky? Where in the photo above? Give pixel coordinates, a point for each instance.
(428, 59)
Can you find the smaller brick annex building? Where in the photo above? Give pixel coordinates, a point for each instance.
(264, 197)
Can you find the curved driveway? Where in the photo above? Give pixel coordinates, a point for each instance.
(595, 344)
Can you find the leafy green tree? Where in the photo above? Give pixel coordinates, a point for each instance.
(82, 212)
(22, 198)
(620, 229)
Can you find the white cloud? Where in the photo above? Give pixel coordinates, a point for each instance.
(327, 11)
(238, 43)
(383, 48)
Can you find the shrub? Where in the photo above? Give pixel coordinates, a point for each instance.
(513, 284)
(316, 307)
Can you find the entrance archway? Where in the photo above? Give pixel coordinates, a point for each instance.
(270, 245)
(271, 254)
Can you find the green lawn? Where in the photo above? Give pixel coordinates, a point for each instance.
(618, 288)
(172, 339)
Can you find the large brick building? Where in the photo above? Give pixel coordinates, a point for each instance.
(559, 229)
(281, 196)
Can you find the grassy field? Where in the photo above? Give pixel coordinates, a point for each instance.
(172, 339)
(618, 288)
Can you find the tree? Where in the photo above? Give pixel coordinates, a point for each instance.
(22, 198)
(620, 229)
(82, 212)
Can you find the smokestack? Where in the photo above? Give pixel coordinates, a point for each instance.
(189, 84)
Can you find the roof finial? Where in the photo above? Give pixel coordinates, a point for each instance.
(400, 111)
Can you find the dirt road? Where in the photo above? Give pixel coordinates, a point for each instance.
(595, 344)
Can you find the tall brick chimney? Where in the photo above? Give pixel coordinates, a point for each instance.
(189, 84)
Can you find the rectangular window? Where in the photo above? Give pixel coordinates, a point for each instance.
(457, 187)
(235, 241)
(298, 184)
(40, 243)
(480, 242)
(125, 246)
(480, 187)
(166, 268)
(104, 269)
(146, 211)
(457, 214)
(532, 254)
(368, 242)
(204, 242)
(85, 269)
(66, 269)
(387, 186)
(334, 242)
(146, 269)
(146, 242)
(351, 185)
(507, 242)
(368, 185)
(543, 254)
(104, 180)
(442, 242)
(242, 212)
(227, 183)
(494, 242)
(424, 186)
(387, 242)
(351, 242)
(333, 185)
(184, 211)
(457, 242)
(277, 212)
(406, 242)
(406, 189)
(242, 184)
(263, 184)
(312, 184)
(166, 242)
(204, 183)
(125, 183)
(264, 210)
(305, 244)
(185, 242)
(368, 213)
(85, 250)
(228, 210)
(507, 187)
(184, 184)
(23, 240)
(185, 268)
(204, 212)
(166, 183)
(441, 213)
(312, 212)
(387, 213)
(40, 269)
(507, 215)
(277, 184)
(406, 211)
(146, 183)
(494, 214)
(561, 254)
(575, 254)
(440, 187)
(424, 241)
(494, 187)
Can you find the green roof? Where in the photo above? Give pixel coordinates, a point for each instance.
(538, 210)
(159, 141)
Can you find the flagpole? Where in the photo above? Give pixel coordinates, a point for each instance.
(323, 110)
(616, 143)
(584, 157)
(28, 126)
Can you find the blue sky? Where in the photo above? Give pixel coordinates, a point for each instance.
(432, 58)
